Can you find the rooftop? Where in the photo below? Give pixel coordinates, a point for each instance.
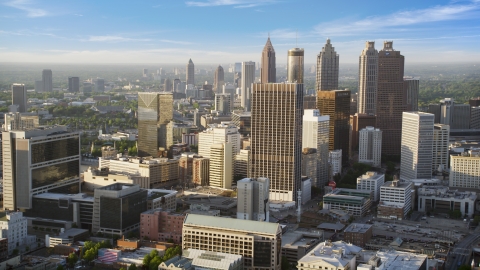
(70, 233)
(358, 228)
(397, 260)
(337, 254)
(74, 197)
(396, 184)
(331, 226)
(241, 225)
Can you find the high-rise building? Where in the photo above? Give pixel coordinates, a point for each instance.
(223, 103)
(243, 121)
(225, 132)
(47, 80)
(73, 84)
(417, 145)
(145, 72)
(155, 113)
(268, 74)
(327, 68)
(475, 117)
(391, 98)
(201, 171)
(99, 85)
(309, 165)
(218, 80)
(190, 72)
(248, 78)
(39, 86)
(295, 65)
(367, 79)
(242, 164)
(221, 165)
(252, 199)
(359, 121)
(370, 146)
(167, 85)
(315, 134)
(276, 144)
(39, 160)
(19, 97)
(457, 116)
(441, 135)
(336, 104)
(413, 88)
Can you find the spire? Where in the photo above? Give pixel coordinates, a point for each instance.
(268, 45)
(190, 61)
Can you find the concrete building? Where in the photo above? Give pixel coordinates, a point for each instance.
(19, 97)
(161, 225)
(243, 121)
(336, 104)
(395, 200)
(248, 78)
(368, 79)
(447, 112)
(200, 259)
(358, 234)
(327, 68)
(47, 80)
(309, 164)
(268, 73)
(335, 161)
(253, 199)
(242, 163)
(464, 170)
(371, 181)
(155, 130)
(218, 80)
(221, 167)
(370, 146)
(39, 160)
(413, 88)
(162, 198)
(352, 201)
(94, 178)
(295, 65)
(20, 121)
(276, 145)
(258, 242)
(330, 255)
(225, 132)
(315, 134)
(296, 244)
(441, 135)
(392, 260)
(185, 167)
(417, 145)
(190, 77)
(359, 121)
(74, 84)
(66, 237)
(116, 208)
(201, 171)
(13, 226)
(223, 104)
(475, 117)
(445, 200)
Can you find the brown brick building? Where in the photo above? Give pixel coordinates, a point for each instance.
(358, 234)
(160, 225)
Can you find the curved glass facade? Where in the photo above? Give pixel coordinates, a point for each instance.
(53, 150)
(55, 173)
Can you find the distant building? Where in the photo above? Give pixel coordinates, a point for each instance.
(190, 73)
(161, 225)
(223, 103)
(330, 255)
(413, 88)
(268, 72)
(47, 80)
(370, 146)
(99, 85)
(243, 122)
(371, 181)
(19, 97)
(252, 199)
(218, 80)
(465, 170)
(327, 68)
(445, 200)
(447, 112)
(358, 234)
(248, 78)
(358, 122)
(74, 84)
(395, 200)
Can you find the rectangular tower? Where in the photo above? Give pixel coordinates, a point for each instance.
(368, 79)
(248, 77)
(441, 134)
(276, 138)
(370, 149)
(19, 97)
(47, 80)
(327, 68)
(74, 84)
(253, 203)
(221, 167)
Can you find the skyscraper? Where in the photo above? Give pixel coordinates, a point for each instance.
(295, 65)
(441, 134)
(336, 104)
(73, 84)
(417, 145)
(268, 74)
(327, 68)
(218, 80)
(391, 98)
(155, 112)
(190, 72)
(276, 137)
(370, 149)
(221, 165)
(19, 96)
(99, 85)
(47, 80)
(167, 85)
(248, 77)
(413, 87)
(367, 79)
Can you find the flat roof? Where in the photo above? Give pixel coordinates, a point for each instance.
(231, 224)
(358, 228)
(55, 196)
(331, 226)
(70, 233)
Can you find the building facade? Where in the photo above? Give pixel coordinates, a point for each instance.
(201, 171)
(19, 97)
(445, 200)
(248, 78)
(335, 161)
(13, 226)
(253, 199)
(370, 146)
(190, 77)
(358, 234)
(221, 167)
(218, 80)
(327, 68)
(295, 65)
(223, 103)
(47, 80)
(368, 79)
(395, 200)
(441, 135)
(161, 225)
(371, 181)
(268, 73)
(465, 170)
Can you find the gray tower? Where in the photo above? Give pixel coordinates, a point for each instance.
(19, 96)
(47, 80)
(367, 79)
(190, 72)
(327, 68)
(295, 65)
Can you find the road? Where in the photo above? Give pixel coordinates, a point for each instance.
(461, 252)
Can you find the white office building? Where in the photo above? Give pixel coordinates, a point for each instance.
(335, 161)
(225, 132)
(330, 256)
(417, 145)
(315, 134)
(253, 199)
(441, 134)
(220, 169)
(223, 103)
(465, 170)
(13, 226)
(370, 146)
(395, 195)
(371, 181)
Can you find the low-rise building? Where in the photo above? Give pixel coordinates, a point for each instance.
(354, 202)
(69, 236)
(395, 200)
(330, 255)
(192, 259)
(162, 198)
(465, 169)
(335, 161)
(371, 181)
(13, 226)
(445, 200)
(296, 244)
(160, 225)
(393, 260)
(358, 234)
(94, 178)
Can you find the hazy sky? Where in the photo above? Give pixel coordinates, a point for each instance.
(225, 31)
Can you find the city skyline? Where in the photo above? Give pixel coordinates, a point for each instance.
(152, 31)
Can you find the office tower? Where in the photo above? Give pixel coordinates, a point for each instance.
(353, 103)
(238, 67)
(465, 169)
(268, 74)
(475, 117)
(371, 181)
(335, 104)
(226, 132)
(38, 86)
(218, 80)
(223, 103)
(441, 134)
(276, 145)
(359, 121)
(145, 72)
(47, 80)
(229, 88)
(19, 96)
(447, 112)
(309, 165)
(391, 98)
(155, 112)
(99, 85)
(117, 208)
(73, 84)
(258, 242)
(161, 225)
(37, 161)
(335, 161)
(221, 165)
(295, 65)
(309, 102)
(176, 86)
(413, 88)
(190, 73)
(315, 134)
(243, 121)
(395, 200)
(367, 79)
(248, 77)
(370, 146)
(327, 68)
(417, 145)
(242, 164)
(252, 199)
(167, 85)
(201, 171)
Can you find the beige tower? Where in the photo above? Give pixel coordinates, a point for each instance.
(269, 72)
(295, 65)
(221, 157)
(327, 68)
(218, 80)
(367, 79)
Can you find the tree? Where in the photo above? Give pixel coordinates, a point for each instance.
(60, 267)
(72, 259)
(154, 263)
(285, 264)
(132, 267)
(465, 267)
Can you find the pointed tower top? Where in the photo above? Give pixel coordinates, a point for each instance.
(328, 40)
(268, 45)
(190, 61)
